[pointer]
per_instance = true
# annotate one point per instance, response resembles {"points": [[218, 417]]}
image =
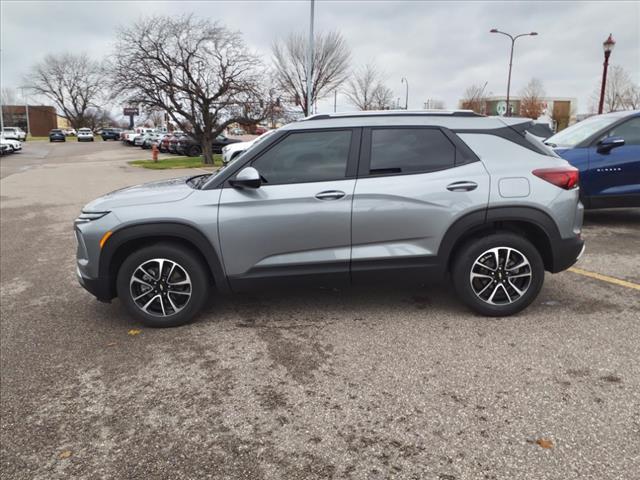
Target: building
{"points": [[559, 112], [42, 118]]}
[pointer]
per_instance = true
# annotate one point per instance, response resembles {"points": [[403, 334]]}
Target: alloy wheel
{"points": [[160, 287], [500, 276]]}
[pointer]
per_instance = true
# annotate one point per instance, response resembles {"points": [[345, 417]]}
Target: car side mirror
{"points": [[248, 177], [609, 143]]}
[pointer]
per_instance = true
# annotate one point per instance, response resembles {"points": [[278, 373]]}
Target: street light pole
{"points": [[513, 42], [310, 60], [607, 46], [406, 96], [26, 108]]}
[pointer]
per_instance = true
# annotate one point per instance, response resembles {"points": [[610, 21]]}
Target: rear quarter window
{"points": [[488, 146]]}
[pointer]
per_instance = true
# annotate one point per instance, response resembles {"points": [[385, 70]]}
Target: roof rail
{"points": [[395, 113]]}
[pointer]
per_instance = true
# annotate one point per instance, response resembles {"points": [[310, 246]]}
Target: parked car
{"points": [[344, 198], [606, 150], [164, 143], [237, 131], [173, 142], [14, 133], [192, 148], [233, 150], [259, 130], [57, 135], [5, 149], [11, 144], [153, 139], [85, 135], [111, 133], [69, 132]]}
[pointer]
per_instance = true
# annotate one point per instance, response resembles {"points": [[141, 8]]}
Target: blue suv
{"points": [[606, 150]]}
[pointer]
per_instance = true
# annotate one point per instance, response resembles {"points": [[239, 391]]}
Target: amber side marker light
{"points": [[105, 237]]}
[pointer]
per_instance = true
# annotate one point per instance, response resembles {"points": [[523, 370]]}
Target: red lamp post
{"points": [[607, 46]]}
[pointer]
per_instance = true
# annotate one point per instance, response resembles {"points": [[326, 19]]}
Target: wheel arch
{"points": [[531, 223], [126, 240]]}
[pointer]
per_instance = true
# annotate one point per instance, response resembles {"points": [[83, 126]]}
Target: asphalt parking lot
{"points": [[377, 383]]}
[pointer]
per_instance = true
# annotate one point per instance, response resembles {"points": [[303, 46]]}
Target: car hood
{"points": [[161, 191]]}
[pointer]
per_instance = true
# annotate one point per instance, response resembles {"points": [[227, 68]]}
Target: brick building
{"points": [[42, 118]]}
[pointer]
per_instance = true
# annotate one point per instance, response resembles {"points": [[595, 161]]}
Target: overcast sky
{"points": [[440, 47]]}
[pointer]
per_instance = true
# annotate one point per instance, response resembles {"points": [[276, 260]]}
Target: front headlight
{"points": [[90, 216]]}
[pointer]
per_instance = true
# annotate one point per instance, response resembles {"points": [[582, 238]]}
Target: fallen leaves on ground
{"points": [[134, 331], [65, 454], [545, 443]]}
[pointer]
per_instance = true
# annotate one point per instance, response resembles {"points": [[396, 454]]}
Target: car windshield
{"points": [[573, 135]]}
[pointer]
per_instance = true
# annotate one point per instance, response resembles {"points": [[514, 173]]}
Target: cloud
{"points": [[441, 47]]}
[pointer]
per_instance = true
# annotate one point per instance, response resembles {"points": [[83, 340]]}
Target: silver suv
{"points": [[344, 198]]}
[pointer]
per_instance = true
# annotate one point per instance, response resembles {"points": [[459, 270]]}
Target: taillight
{"points": [[563, 177]]}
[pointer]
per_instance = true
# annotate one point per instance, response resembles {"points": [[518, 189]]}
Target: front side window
{"points": [[630, 131], [304, 157], [410, 150]]}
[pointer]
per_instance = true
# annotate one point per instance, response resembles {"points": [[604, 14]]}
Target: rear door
{"points": [[617, 172], [298, 222], [413, 183]]}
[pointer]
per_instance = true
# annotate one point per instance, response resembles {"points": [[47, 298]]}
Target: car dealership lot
{"points": [[383, 382]]}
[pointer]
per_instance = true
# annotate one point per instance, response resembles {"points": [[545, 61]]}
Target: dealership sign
{"points": [[131, 111]]}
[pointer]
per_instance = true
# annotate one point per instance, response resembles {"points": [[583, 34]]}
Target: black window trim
{"points": [[463, 154]]}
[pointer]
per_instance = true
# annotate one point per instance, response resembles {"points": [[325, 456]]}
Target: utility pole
{"points": [[406, 96], [26, 107], [335, 100], [310, 60]]}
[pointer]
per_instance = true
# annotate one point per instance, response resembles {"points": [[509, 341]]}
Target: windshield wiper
{"points": [[199, 180]]}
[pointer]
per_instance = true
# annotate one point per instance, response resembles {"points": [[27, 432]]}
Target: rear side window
{"points": [[306, 157], [410, 150]]}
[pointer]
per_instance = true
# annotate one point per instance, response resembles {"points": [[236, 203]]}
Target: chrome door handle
{"points": [[330, 195], [462, 186]]}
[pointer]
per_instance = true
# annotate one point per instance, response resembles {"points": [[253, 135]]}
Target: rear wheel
{"points": [[498, 275], [163, 285]]}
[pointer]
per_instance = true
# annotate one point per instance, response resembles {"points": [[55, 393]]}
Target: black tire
{"points": [[194, 151], [188, 261], [466, 257]]}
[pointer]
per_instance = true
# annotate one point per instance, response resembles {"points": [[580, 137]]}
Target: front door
{"points": [[616, 173], [298, 222]]}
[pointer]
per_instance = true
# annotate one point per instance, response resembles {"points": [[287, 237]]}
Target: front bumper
{"points": [[95, 286]]}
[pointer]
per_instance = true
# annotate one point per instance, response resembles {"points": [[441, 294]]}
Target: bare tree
{"points": [[474, 99], [196, 70], [532, 99], [330, 66], [366, 91], [72, 81], [620, 92], [383, 98], [95, 118]]}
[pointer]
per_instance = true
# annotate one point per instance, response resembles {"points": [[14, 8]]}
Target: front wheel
{"points": [[498, 275], [163, 285]]}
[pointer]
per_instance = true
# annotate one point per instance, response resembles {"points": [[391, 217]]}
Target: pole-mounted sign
{"points": [[131, 112]]}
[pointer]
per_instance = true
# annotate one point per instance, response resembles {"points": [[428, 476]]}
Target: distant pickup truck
{"points": [[14, 133]]}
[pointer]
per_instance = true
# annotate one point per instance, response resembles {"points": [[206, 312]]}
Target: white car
{"points": [[14, 133], [85, 135], [233, 150], [13, 145]]}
